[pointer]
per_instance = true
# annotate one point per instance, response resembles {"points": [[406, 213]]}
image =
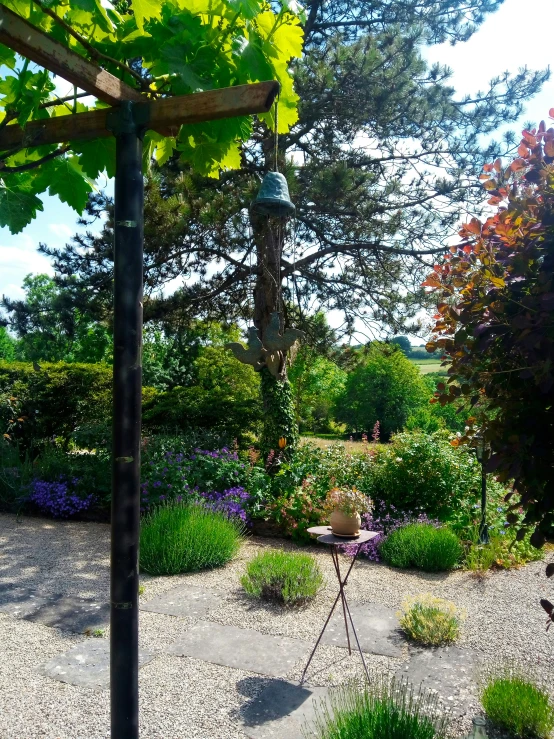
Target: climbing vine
{"points": [[280, 431]]}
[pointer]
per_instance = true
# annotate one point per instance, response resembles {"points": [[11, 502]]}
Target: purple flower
{"points": [[58, 498]]}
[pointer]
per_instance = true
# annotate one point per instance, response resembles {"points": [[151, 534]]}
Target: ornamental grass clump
{"points": [[385, 709], [424, 546], [430, 621], [517, 704], [283, 577], [178, 538]]}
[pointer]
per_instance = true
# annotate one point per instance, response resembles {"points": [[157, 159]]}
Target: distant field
{"points": [[322, 443], [428, 365]]}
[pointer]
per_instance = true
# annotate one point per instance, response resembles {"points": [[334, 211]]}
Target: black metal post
{"points": [[483, 528], [127, 386]]}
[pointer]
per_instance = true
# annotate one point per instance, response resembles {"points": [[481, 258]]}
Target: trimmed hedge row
{"points": [[66, 400]]}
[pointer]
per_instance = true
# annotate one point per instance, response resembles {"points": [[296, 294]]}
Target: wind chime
{"points": [[272, 202]]}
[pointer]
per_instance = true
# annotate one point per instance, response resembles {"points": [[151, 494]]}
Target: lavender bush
{"points": [[59, 498], [214, 478], [384, 523]]}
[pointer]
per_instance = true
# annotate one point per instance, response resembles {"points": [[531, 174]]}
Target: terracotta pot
{"points": [[345, 525]]}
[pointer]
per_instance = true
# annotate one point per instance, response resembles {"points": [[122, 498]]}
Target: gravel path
{"points": [[181, 696]]}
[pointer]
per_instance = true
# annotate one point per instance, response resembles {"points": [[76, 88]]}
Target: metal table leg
{"points": [[346, 610]]}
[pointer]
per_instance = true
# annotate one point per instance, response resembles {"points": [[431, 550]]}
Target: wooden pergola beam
{"points": [[32, 43], [167, 114]]}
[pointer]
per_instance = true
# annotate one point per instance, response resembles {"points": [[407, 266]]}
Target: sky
{"points": [[506, 41]]}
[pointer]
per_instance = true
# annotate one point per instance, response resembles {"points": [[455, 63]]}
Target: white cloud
{"points": [[17, 260], [61, 230]]}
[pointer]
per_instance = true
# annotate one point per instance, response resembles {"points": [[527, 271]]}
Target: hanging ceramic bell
{"points": [[273, 198]]}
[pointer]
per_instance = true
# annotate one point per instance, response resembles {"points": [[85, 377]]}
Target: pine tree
{"points": [[381, 163]]}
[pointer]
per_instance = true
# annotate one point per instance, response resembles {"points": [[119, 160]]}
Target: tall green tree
{"points": [[50, 328], [380, 162], [385, 387], [7, 345]]}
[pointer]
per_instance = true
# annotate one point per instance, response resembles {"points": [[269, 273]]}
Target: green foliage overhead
{"points": [[177, 47], [385, 387], [495, 294], [370, 111]]}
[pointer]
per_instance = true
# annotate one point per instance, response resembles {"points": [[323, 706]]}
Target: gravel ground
{"points": [[188, 697]]}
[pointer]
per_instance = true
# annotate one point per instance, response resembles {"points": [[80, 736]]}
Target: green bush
{"points": [[16, 472], [384, 710], [176, 538], [521, 706], [423, 546], [54, 400], [430, 621], [283, 577], [424, 472], [384, 387]]}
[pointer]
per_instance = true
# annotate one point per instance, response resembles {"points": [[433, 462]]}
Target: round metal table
{"points": [[325, 536]]}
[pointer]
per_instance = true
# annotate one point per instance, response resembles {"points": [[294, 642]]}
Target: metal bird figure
{"points": [[254, 355], [274, 341]]}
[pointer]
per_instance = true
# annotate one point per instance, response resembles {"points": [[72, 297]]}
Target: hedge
{"points": [[67, 400], [53, 400]]}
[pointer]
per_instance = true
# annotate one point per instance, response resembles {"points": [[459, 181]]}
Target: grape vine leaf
{"points": [[69, 183], [146, 9], [18, 208]]}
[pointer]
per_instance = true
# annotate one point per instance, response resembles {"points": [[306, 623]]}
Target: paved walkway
{"points": [[215, 664], [282, 708]]}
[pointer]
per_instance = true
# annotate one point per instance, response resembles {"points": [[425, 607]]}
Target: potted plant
{"points": [[346, 506]]}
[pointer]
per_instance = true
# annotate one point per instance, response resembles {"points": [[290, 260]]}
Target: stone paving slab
{"points": [[72, 613], [62, 611], [243, 649], [186, 601], [86, 665], [281, 710], [20, 602], [376, 625], [450, 671]]}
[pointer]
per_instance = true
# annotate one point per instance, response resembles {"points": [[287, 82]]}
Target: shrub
{"points": [[16, 472], [215, 478], [55, 401], [422, 545], [384, 710], [178, 538], [430, 621], [283, 577], [518, 704], [225, 398], [425, 473]]}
